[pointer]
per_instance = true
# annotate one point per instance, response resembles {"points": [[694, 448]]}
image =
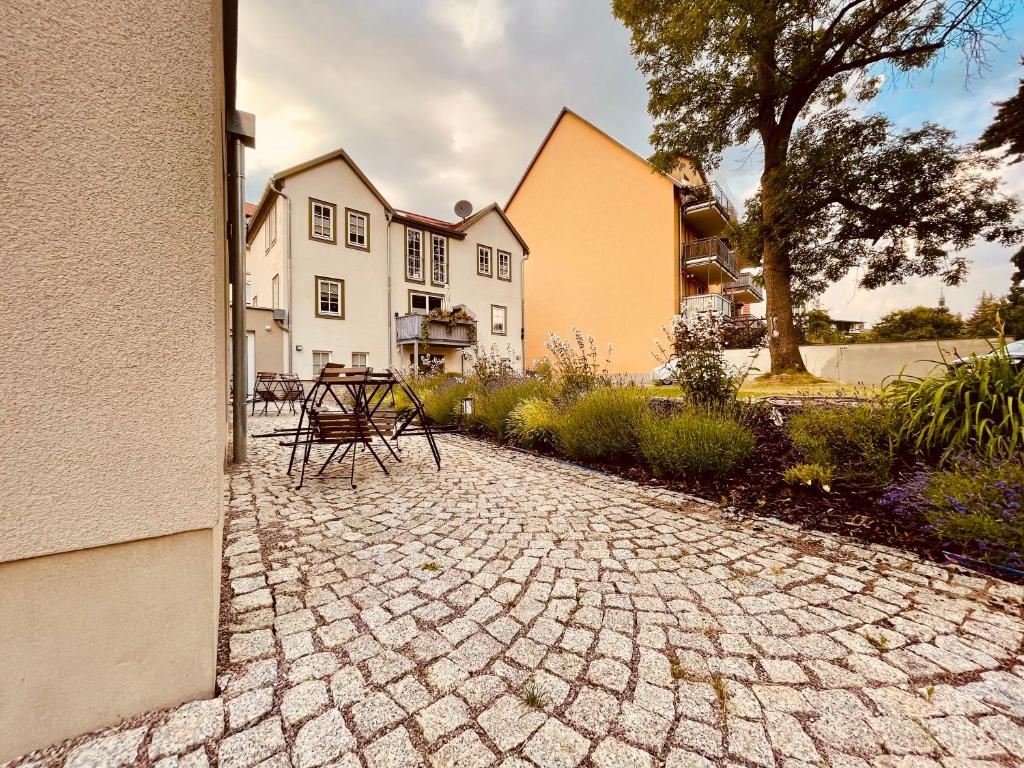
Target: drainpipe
{"points": [[287, 265], [241, 130], [391, 337], [522, 304]]}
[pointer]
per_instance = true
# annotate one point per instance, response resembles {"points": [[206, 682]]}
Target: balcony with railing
{"points": [[707, 302], [434, 331], [710, 260], [707, 208], [744, 290]]}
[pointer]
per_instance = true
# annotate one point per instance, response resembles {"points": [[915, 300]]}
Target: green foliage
{"points": [[976, 406], [602, 424], [858, 442], [692, 444], [818, 329], [1013, 317], [533, 423], [984, 321], [1007, 127], [918, 323], [809, 474], [857, 193], [443, 403], [977, 504], [493, 404]]}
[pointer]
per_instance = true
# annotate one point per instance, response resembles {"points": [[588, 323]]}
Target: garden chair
{"points": [[265, 391]]}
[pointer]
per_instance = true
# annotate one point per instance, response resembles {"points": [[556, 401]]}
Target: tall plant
{"points": [[975, 406]]}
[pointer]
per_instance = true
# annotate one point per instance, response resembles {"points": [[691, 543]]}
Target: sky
{"points": [[439, 100]]}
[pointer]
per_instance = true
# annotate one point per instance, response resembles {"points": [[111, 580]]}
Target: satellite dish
{"points": [[463, 208]]}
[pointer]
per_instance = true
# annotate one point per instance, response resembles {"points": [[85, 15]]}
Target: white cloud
{"points": [[478, 23]]}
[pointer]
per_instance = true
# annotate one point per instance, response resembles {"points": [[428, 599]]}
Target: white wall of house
{"points": [[367, 327], [467, 287]]}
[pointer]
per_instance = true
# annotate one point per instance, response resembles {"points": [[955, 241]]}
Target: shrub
{"points": [[809, 474], [693, 443], [492, 405], [697, 341], [974, 504], [443, 404], [602, 425], [976, 406], [533, 423], [576, 367], [858, 442]]}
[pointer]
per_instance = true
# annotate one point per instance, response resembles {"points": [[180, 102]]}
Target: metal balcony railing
{"points": [[427, 330], [707, 302], [744, 283], [711, 192], [711, 249]]}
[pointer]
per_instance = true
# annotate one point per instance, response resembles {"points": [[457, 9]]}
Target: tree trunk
{"points": [[783, 341]]}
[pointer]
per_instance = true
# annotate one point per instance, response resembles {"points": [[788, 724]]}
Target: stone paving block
{"points": [[508, 722], [442, 717], [321, 740], [393, 750], [556, 746], [112, 751], [304, 700], [464, 751], [188, 726], [249, 707], [251, 746]]}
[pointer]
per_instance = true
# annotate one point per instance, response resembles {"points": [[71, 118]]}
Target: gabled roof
{"points": [[338, 154], [471, 220], [566, 111], [418, 219], [250, 209]]}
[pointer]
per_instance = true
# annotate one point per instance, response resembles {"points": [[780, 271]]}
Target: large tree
{"points": [[723, 72], [1007, 128]]}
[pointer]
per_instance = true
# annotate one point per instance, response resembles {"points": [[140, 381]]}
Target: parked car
{"points": [[1014, 350], [665, 373]]}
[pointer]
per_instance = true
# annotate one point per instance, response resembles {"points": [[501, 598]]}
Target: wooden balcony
{"points": [[710, 260], [434, 332]]}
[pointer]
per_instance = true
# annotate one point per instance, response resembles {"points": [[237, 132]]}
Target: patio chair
{"points": [[413, 421], [265, 391], [291, 390]]}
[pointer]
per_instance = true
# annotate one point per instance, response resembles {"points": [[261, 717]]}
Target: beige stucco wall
{"points": [[118, 627], [112, 217], [270, 339], [870, 364], [603, 235]]}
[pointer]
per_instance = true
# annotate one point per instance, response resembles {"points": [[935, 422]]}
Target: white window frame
{"points": [[340, 285], [410, 256], [275, 292], [271, 227], [428, 298], [248, 293], [504, 259], [356, 363], [322, 363], [484, 260], [326, 212], [364, 218], [438, 256], [504, 320]]}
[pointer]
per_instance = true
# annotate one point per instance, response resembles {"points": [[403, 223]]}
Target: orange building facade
{"points": [[618, 247]]}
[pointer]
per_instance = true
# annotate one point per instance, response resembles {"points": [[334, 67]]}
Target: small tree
{"points": [[916, 324], [983, 321], [817, 328]]}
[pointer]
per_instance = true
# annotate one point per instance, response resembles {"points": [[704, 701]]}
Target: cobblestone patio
{"points": [[516, 611]]}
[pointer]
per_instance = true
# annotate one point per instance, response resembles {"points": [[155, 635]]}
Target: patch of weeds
{"points": [[712, 631], [762, 502], [676, 667], [422, 673], [930, 692], [721, 692], [533, 696], [431, 566], [881, 642]]}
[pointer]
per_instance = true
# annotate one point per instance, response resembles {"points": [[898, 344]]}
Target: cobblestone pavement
{"points": [[515, 611]]}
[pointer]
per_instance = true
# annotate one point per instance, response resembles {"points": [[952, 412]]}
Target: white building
{"points": [[363, 283]]}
